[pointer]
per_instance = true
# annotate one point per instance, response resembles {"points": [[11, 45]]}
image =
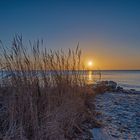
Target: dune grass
{"points": [[43, 96]]}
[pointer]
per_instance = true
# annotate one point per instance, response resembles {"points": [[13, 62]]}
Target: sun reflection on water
{"points": [[90, 77], [93, 76]]}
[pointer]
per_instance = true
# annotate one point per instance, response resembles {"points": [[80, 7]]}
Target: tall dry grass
{"points": [[43, 94]]}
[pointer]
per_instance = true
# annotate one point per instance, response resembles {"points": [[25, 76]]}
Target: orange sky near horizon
{"points": [[112, 58]]}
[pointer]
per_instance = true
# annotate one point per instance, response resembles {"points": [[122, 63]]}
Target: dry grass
{"points": [[40, 98]]}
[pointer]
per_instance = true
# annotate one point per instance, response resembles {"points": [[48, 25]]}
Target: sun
{"points": [[90, 63]]}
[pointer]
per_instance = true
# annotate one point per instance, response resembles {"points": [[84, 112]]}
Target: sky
{"points": [[108, 31]]}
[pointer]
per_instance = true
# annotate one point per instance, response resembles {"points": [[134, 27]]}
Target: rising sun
{"points": [[90, 63]]}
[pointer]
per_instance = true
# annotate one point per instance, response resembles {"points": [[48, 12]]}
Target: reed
{"points": [[43, 95]]}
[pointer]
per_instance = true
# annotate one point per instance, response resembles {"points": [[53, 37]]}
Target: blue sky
{"points": [[106, 29]]}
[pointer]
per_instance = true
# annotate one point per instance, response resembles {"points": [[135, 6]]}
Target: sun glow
{"points": [[90, 64]]}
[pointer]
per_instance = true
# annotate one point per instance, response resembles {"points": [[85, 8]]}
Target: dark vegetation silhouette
{"points": [[39, 99]]}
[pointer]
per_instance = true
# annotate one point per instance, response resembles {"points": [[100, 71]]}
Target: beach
{"points": [[119, 111], [120, 115]]}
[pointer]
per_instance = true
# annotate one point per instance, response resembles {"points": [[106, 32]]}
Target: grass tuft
{"points": [[42, 92]]}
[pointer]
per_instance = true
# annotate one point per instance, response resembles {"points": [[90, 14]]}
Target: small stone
{"points": [[119, 89], [113, 135], [132, 90], [112, 84]]}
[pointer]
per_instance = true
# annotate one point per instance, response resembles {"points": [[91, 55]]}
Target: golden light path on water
{"points": [[92, 76]]}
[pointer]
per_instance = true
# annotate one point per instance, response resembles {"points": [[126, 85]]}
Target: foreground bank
{"points": [[120, 116], [108, 112], [119, 112]]}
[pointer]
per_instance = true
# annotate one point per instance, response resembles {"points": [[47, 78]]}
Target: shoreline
{"points": [[106, 87], [107, 91], [119, 115]]}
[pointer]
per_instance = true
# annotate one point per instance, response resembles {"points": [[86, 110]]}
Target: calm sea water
{"points": [[127, 79]]}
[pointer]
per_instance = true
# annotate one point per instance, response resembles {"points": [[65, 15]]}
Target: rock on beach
{"points": [[111, 86]]}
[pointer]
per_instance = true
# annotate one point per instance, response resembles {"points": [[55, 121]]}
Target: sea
{"points": [[128, 79]]}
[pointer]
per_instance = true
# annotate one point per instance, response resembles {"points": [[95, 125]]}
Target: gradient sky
{"points": [[108, 30]]}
